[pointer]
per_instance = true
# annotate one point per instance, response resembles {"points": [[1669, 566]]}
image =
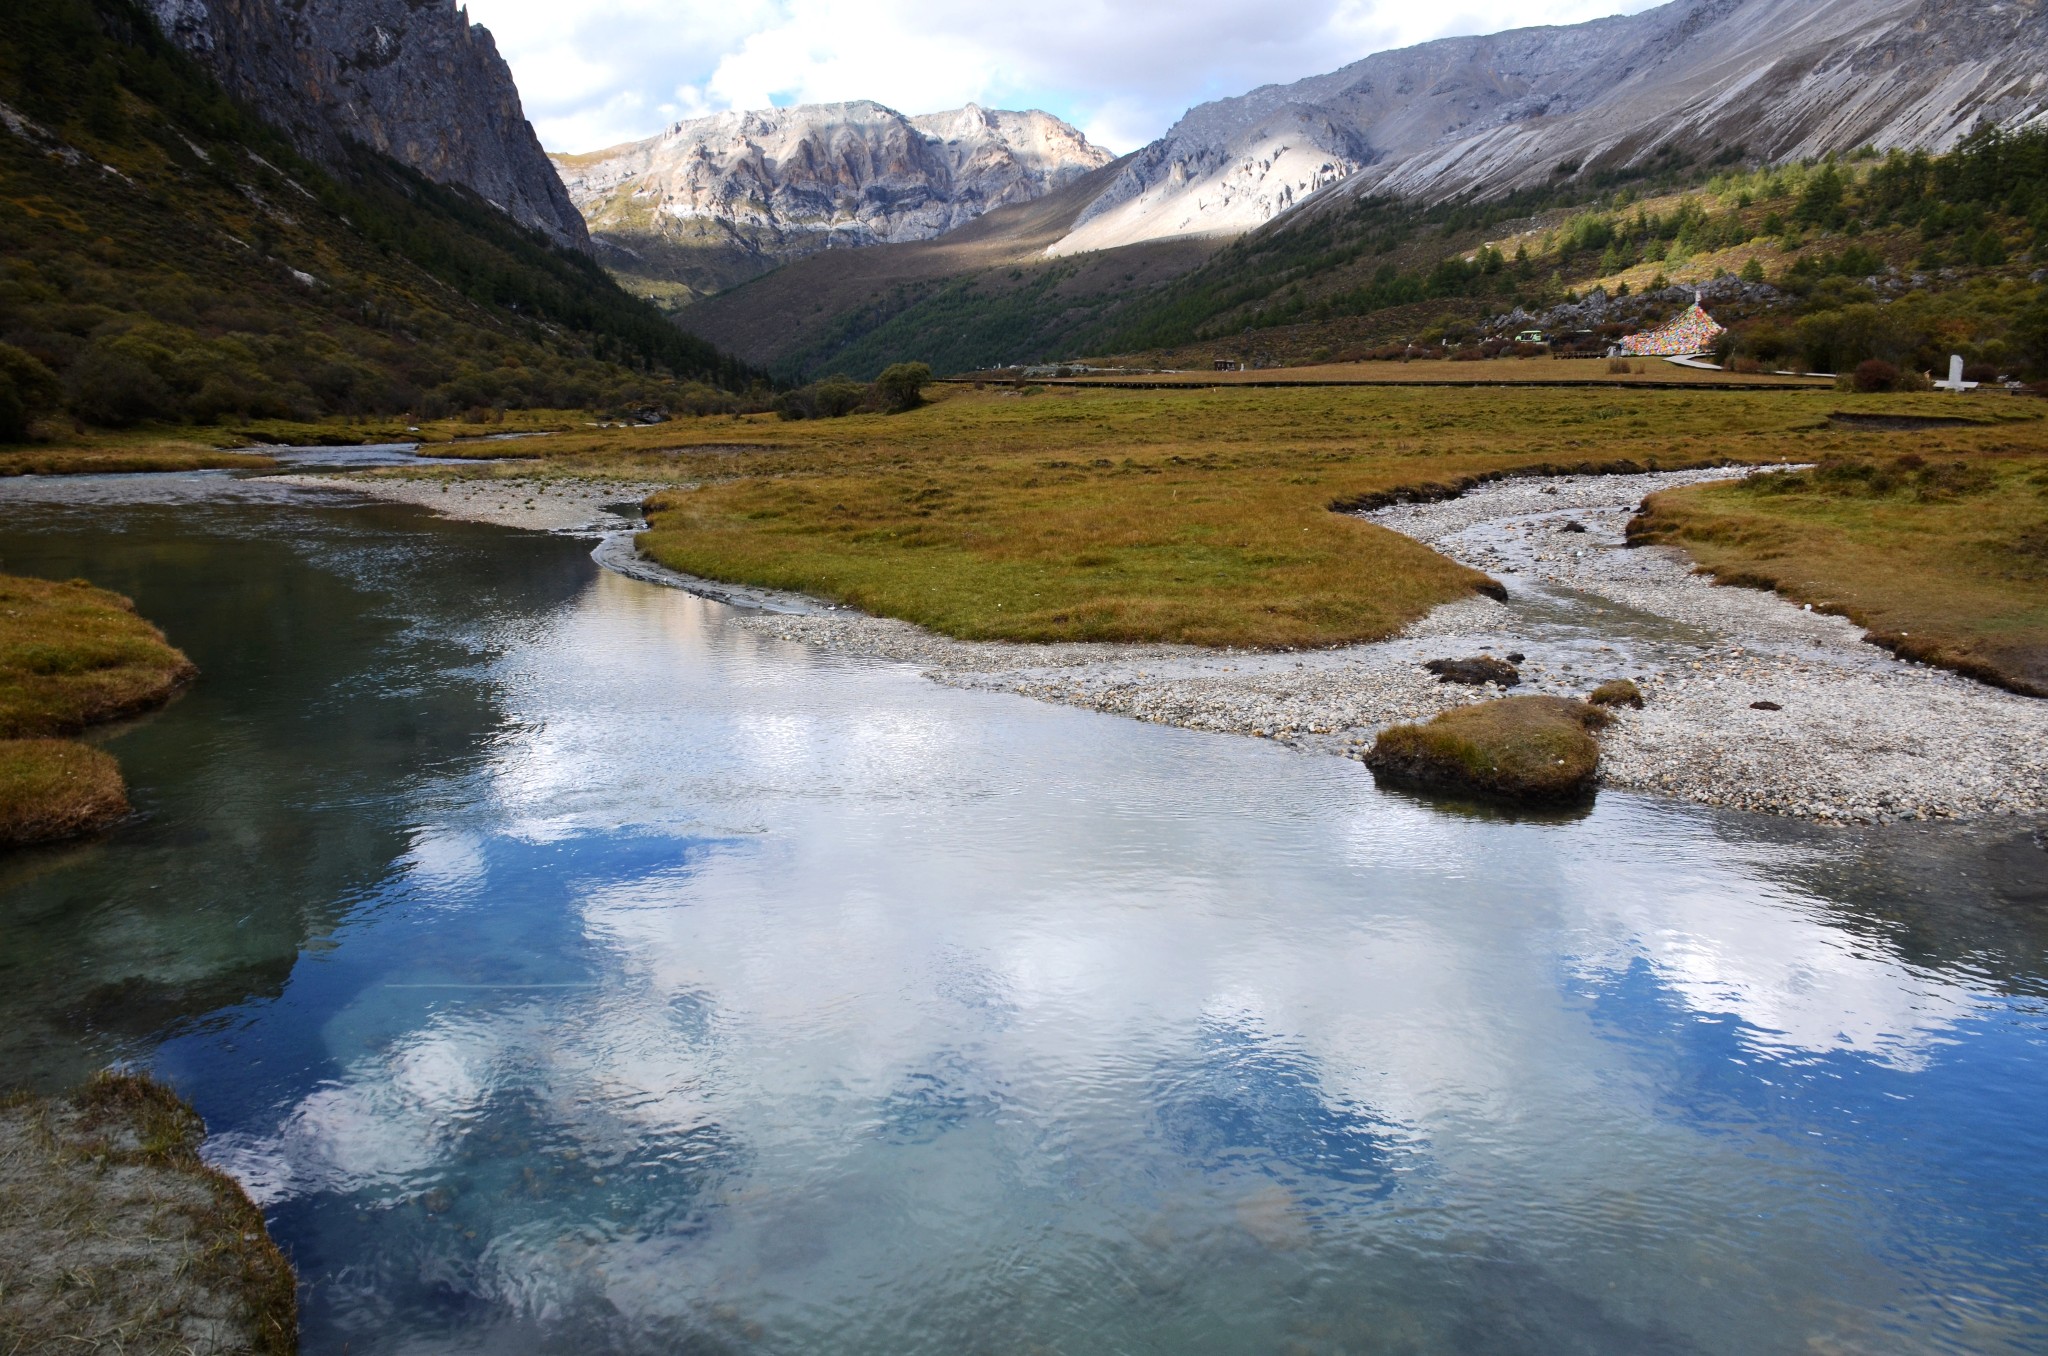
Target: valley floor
{"points": [[1858, 737]]}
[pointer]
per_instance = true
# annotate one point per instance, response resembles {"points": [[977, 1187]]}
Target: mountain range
{"points": [[1476, 130], [714, 200], [1748, 80]]}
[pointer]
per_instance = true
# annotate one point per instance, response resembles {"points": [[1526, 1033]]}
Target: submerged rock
{"points": [[1475, 670], [1516, 748]]}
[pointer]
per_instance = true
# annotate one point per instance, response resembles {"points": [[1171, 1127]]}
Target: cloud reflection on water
{"points": [[996, 981]]}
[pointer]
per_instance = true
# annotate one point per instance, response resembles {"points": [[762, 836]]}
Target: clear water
{"points": [[568, 970]]}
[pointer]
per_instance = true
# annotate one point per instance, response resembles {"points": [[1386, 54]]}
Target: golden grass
{"points": [[1943, 558], [1516, 748], [88, 461], [1200, 516], [71, 655], [56, 788]]}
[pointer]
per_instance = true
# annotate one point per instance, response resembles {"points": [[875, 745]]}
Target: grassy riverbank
{"points": [[1199, 516], [71, 656], [1203, 515], [1941, 553], [115, 1236], [99, 461]]}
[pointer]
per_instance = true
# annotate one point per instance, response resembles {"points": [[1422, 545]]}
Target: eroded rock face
{"points": [[1783, 79], [779, 183], [411, 78]]}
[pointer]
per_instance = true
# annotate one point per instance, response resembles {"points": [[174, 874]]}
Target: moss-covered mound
{"points": [[55, 788], [1517, 748], [1616, 692], [71, 656], [114, 1236]]}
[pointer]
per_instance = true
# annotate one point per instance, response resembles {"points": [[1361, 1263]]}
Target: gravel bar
{"points": [[543, 503], [1859, 736]]}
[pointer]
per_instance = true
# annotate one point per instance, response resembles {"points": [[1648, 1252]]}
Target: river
{"points": [[565, 969]]}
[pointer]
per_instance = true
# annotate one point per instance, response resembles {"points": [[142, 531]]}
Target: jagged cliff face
{"points": [[715, 199], [1782, 79], [411, 78]]}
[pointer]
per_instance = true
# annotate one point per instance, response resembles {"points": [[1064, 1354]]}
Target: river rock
{"points": [[1536, 749], [1475, 670]]}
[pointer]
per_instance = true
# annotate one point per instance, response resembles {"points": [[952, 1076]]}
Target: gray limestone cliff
{"points": [[411, 78]]}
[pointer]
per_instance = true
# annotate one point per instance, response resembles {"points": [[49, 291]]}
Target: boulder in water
{"points": [[1528, 749]]}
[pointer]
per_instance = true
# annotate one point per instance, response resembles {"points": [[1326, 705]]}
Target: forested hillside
{"points": [[164, 255], [1950, 238], [1900, 257]]}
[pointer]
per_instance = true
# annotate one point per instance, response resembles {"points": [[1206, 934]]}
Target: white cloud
{"points": [[597, 75]]}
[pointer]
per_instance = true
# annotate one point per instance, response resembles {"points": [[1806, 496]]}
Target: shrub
{"points": [[110, 388], [1875, 374], [831, 398], [1618, 367], [901, 387], [27, 390], [2030, 335]]}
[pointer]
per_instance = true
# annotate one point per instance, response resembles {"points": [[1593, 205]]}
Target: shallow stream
{"points": [[565, 969]]}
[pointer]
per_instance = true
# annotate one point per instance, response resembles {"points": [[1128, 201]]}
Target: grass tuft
{"points": [[1517, 748], [123, 1237], [71, 655], [56, 788], [1616, 692]]}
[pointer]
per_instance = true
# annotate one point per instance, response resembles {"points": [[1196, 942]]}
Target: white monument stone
{"points": [[1955, 380]]}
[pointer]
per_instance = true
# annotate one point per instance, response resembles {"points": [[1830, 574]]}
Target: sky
{"points": [[601, 72]]}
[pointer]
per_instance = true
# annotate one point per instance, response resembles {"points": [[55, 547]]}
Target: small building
{"points": [[1529, 337], [1229, 365]]}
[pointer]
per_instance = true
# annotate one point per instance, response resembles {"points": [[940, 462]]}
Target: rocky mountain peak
{"points": [[411, 78], [1759, 80], [753, 188]]}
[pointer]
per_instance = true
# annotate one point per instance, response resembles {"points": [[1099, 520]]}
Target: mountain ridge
{"points": [[1769, 80], [711, 201], [413, 79]]}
